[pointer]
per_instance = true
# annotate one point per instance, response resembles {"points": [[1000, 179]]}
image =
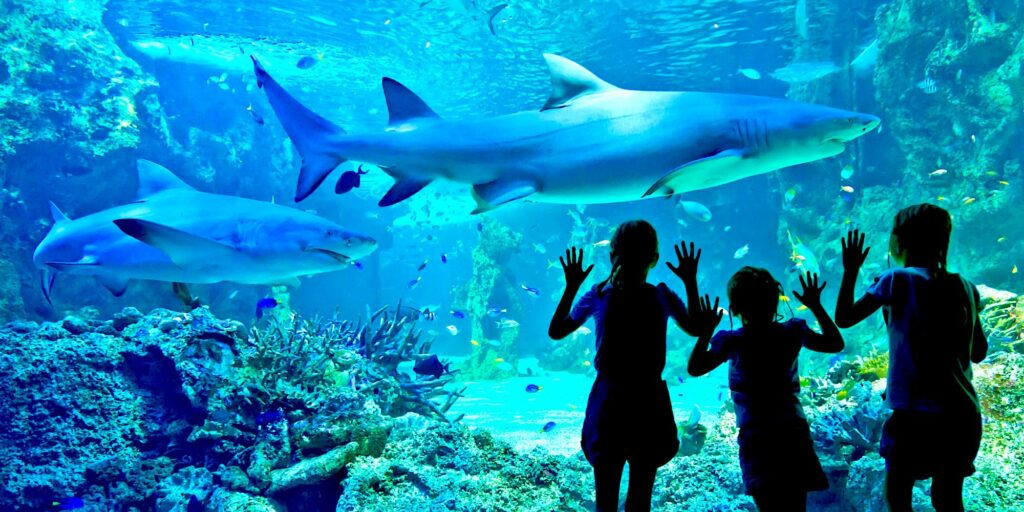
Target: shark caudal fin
{"points": [[310, 132]]}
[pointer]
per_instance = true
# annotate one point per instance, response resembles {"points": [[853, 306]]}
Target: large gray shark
{"points": [[176, 233], [591, 142]]}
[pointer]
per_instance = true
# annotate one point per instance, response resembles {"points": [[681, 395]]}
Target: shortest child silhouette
{"points": [[629, 412], [776, 451]]}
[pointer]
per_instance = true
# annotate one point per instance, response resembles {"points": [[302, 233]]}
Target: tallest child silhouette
{"points": [[629, 412]]}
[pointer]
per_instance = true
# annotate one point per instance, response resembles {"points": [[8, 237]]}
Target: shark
{"points": [[591, 142], [173, 232]]}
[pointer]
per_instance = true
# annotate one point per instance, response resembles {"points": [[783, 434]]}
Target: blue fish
{"points": [[431, 366], [265, 303], [680, 379], [358, 265], [548, 427], [268, 417], [414, 282], [532, 388], [69, 503], [458, 314], [306, 62], [496, 312], [531, 291], [349, 180], [444, 258], [422, 266]]}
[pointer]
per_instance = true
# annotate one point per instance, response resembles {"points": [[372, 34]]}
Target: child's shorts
{"points": [[779, 457], [924, 444]]}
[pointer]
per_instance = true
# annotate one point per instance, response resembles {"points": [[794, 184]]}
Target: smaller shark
{"points": [[176, 233]]}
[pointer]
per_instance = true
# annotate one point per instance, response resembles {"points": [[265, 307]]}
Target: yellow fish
{"points": [[1013, 270], [475, 343], [586, 363], [991, 173], [941, 198], [1000, 239], [969, 200], [573, 407], [802, 307], [499, 360], [783, 298], [846, 188], [1004, 183]]}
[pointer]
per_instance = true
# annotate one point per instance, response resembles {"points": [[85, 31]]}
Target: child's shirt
{"points": [[929, 361], [630, 326], [763, 378]]}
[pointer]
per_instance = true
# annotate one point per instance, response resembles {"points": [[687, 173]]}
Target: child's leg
{"points": [[899, 492], [607, 476], [641, 486], [795, 501], [947, 493]]}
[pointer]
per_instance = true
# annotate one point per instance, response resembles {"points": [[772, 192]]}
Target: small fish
{"points": [[256, 117], [268, 417], [1013, 270], [783, 298], [427, 314], [586, 363], [444, 258], [802, 307], [694, 418], [458, 314], [358, 265], [696, 210], [846, 172], [263, 304], [475, 343], [504, 367], [571, 406], [69, 503], [584, 330], [531, 291], [940, 198], [453, 330], [540, 248], [233, 294], [1000, 239], [790, 194], [1004, 183], [496, 312], [422, 265], [741, 252], [414, 282], [507, 323], [969, 200], [846, 188], [602, 243], [938, 172], [308, 61], [349, 180], [431, 366], [548, 427], [479, 226], [493, 343], [750, 73], [928, 85], [499, 359]]}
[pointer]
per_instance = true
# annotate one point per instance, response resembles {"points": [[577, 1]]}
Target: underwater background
{"points": [[306, 397]]}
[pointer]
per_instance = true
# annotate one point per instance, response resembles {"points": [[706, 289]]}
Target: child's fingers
{"points": [[586, 272], [696, 259]]}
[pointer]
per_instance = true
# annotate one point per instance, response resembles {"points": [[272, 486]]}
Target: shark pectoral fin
{"points": [[115, 285], [569, 81], [46, 279], [155, 178], [312, 135], [403, 104], [181, 247], [402, 190], [721, 159], [490, 195]]}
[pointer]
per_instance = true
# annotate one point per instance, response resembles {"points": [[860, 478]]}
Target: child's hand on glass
{"points": [[854, 252], [707, 316], [686, 269], [572, 266], [812, 292]]}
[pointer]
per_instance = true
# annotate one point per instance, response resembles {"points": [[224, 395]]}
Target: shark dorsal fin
{"points": [[403, 104], [58, 216], [155, 178], [569, 81]]}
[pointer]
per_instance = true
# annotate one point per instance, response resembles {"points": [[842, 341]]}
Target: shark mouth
{"points": [[337, 256]]}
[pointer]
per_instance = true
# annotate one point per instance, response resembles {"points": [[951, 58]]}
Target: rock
{"points": [[989, 294], [234, 478], [174, 491], [74, 325], [311, 471], [224, 500], [126, 317], [168, 325], [22, 326]]}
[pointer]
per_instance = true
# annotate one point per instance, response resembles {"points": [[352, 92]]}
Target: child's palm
{"points": [[572, 266], [686, 268], [854, 252], [812, 292]]}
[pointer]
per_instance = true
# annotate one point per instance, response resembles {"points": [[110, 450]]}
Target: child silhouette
{"points": [[934, 335], [629, 412], [776, 452]]}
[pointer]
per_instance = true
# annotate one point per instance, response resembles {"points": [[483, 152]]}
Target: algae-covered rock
{"points": [[224, 500], [175, 492], [314, 470]]}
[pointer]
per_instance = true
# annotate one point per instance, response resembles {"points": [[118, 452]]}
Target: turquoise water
{"points": [[281, 376]]}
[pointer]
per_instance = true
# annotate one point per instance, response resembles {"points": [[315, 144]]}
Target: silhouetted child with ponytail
{"points": [[776, 451], [934, 336], [629, 412]]}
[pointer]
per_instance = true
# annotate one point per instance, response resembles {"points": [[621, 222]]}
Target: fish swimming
{"points": [[431, 366], [175, 233], [591, 142]]}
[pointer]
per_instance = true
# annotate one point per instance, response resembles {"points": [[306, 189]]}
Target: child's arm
{"points": [[562, 323], [979, 345], [705, 318], [848, 312], [830, 340], [686, 270]]}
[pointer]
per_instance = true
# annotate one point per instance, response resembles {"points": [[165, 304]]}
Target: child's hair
{"points": [[634, 247], [922, 232], [753, 294]]}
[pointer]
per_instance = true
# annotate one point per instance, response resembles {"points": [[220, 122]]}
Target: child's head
{"points": [[920, 236], [753, 295], [634, 251]]}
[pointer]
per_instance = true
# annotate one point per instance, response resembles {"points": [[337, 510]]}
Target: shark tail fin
{"points": [[313, 135]]}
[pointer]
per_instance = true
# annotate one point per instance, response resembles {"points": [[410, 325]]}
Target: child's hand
{"points": [[686, 269], [706, 317], [812, 292], [572, 265], [854, 252]]}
